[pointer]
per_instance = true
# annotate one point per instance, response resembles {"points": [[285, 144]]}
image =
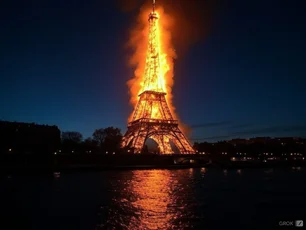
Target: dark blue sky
{"points": [[64, 63]]}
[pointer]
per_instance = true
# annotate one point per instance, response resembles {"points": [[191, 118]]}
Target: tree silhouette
{"points": [[108, 139], [90, 144], [99, 136], [72, 136], [71, 140]]}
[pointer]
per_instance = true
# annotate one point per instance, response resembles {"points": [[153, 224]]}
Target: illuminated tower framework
{"points": [[152, 117]]}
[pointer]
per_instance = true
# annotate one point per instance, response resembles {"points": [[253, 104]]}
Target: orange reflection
{"points": [[153, 198]]}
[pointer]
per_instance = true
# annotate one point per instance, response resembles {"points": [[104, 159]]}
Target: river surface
{"points": [[203, 198]]}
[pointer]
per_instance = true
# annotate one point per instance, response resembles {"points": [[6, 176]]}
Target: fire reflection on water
{"points": [[153, 199], [150, 199]]}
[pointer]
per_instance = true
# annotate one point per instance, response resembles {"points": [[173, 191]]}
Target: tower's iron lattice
{"points": [[152, 117]]}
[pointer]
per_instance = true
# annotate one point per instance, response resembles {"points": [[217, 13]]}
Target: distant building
{"points": [[18, 137], [238, 141], [288, 140], [261, 140]]}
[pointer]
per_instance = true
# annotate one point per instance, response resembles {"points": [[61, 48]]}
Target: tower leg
{"points": [[163, 143], [138, 135]]}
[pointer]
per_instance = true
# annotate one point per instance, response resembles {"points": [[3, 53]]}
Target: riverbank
{"points": [[95, 162], [94, 167]]}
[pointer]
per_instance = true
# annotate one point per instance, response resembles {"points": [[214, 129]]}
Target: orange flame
{"points": [[139, 41]]}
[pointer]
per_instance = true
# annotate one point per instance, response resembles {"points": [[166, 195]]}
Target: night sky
{"points": [[64, 63]]}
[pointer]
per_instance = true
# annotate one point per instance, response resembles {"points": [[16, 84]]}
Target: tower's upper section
{"points": [[153, 76]]}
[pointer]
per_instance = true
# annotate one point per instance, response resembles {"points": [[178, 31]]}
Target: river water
{"points": [[203, 198]]}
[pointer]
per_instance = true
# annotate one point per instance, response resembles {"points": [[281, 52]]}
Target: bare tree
{"points": [[99, 136], [108, 138], [72, 136]]}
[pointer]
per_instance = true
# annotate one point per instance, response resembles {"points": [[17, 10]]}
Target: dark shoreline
{"points": [[96, 168], [20, 164]]}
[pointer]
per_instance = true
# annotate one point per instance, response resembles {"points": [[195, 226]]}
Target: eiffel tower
{"points": [[152, 117]]}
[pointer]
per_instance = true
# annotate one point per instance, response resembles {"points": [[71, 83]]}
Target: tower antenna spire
{"points": [[153, 6]]}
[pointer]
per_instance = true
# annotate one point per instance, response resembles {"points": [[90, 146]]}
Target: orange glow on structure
{"points": [[150, 89], [162, 81]]}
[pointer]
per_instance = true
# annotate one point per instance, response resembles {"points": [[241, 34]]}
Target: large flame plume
{"points": [[181, 24], [139, 41]]}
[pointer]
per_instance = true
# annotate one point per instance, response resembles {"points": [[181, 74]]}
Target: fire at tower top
{"points": [[153, 14], [153, 5], [156, 65]]}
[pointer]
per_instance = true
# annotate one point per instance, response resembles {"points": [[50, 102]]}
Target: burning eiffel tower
{"points": [[152, 117]]}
